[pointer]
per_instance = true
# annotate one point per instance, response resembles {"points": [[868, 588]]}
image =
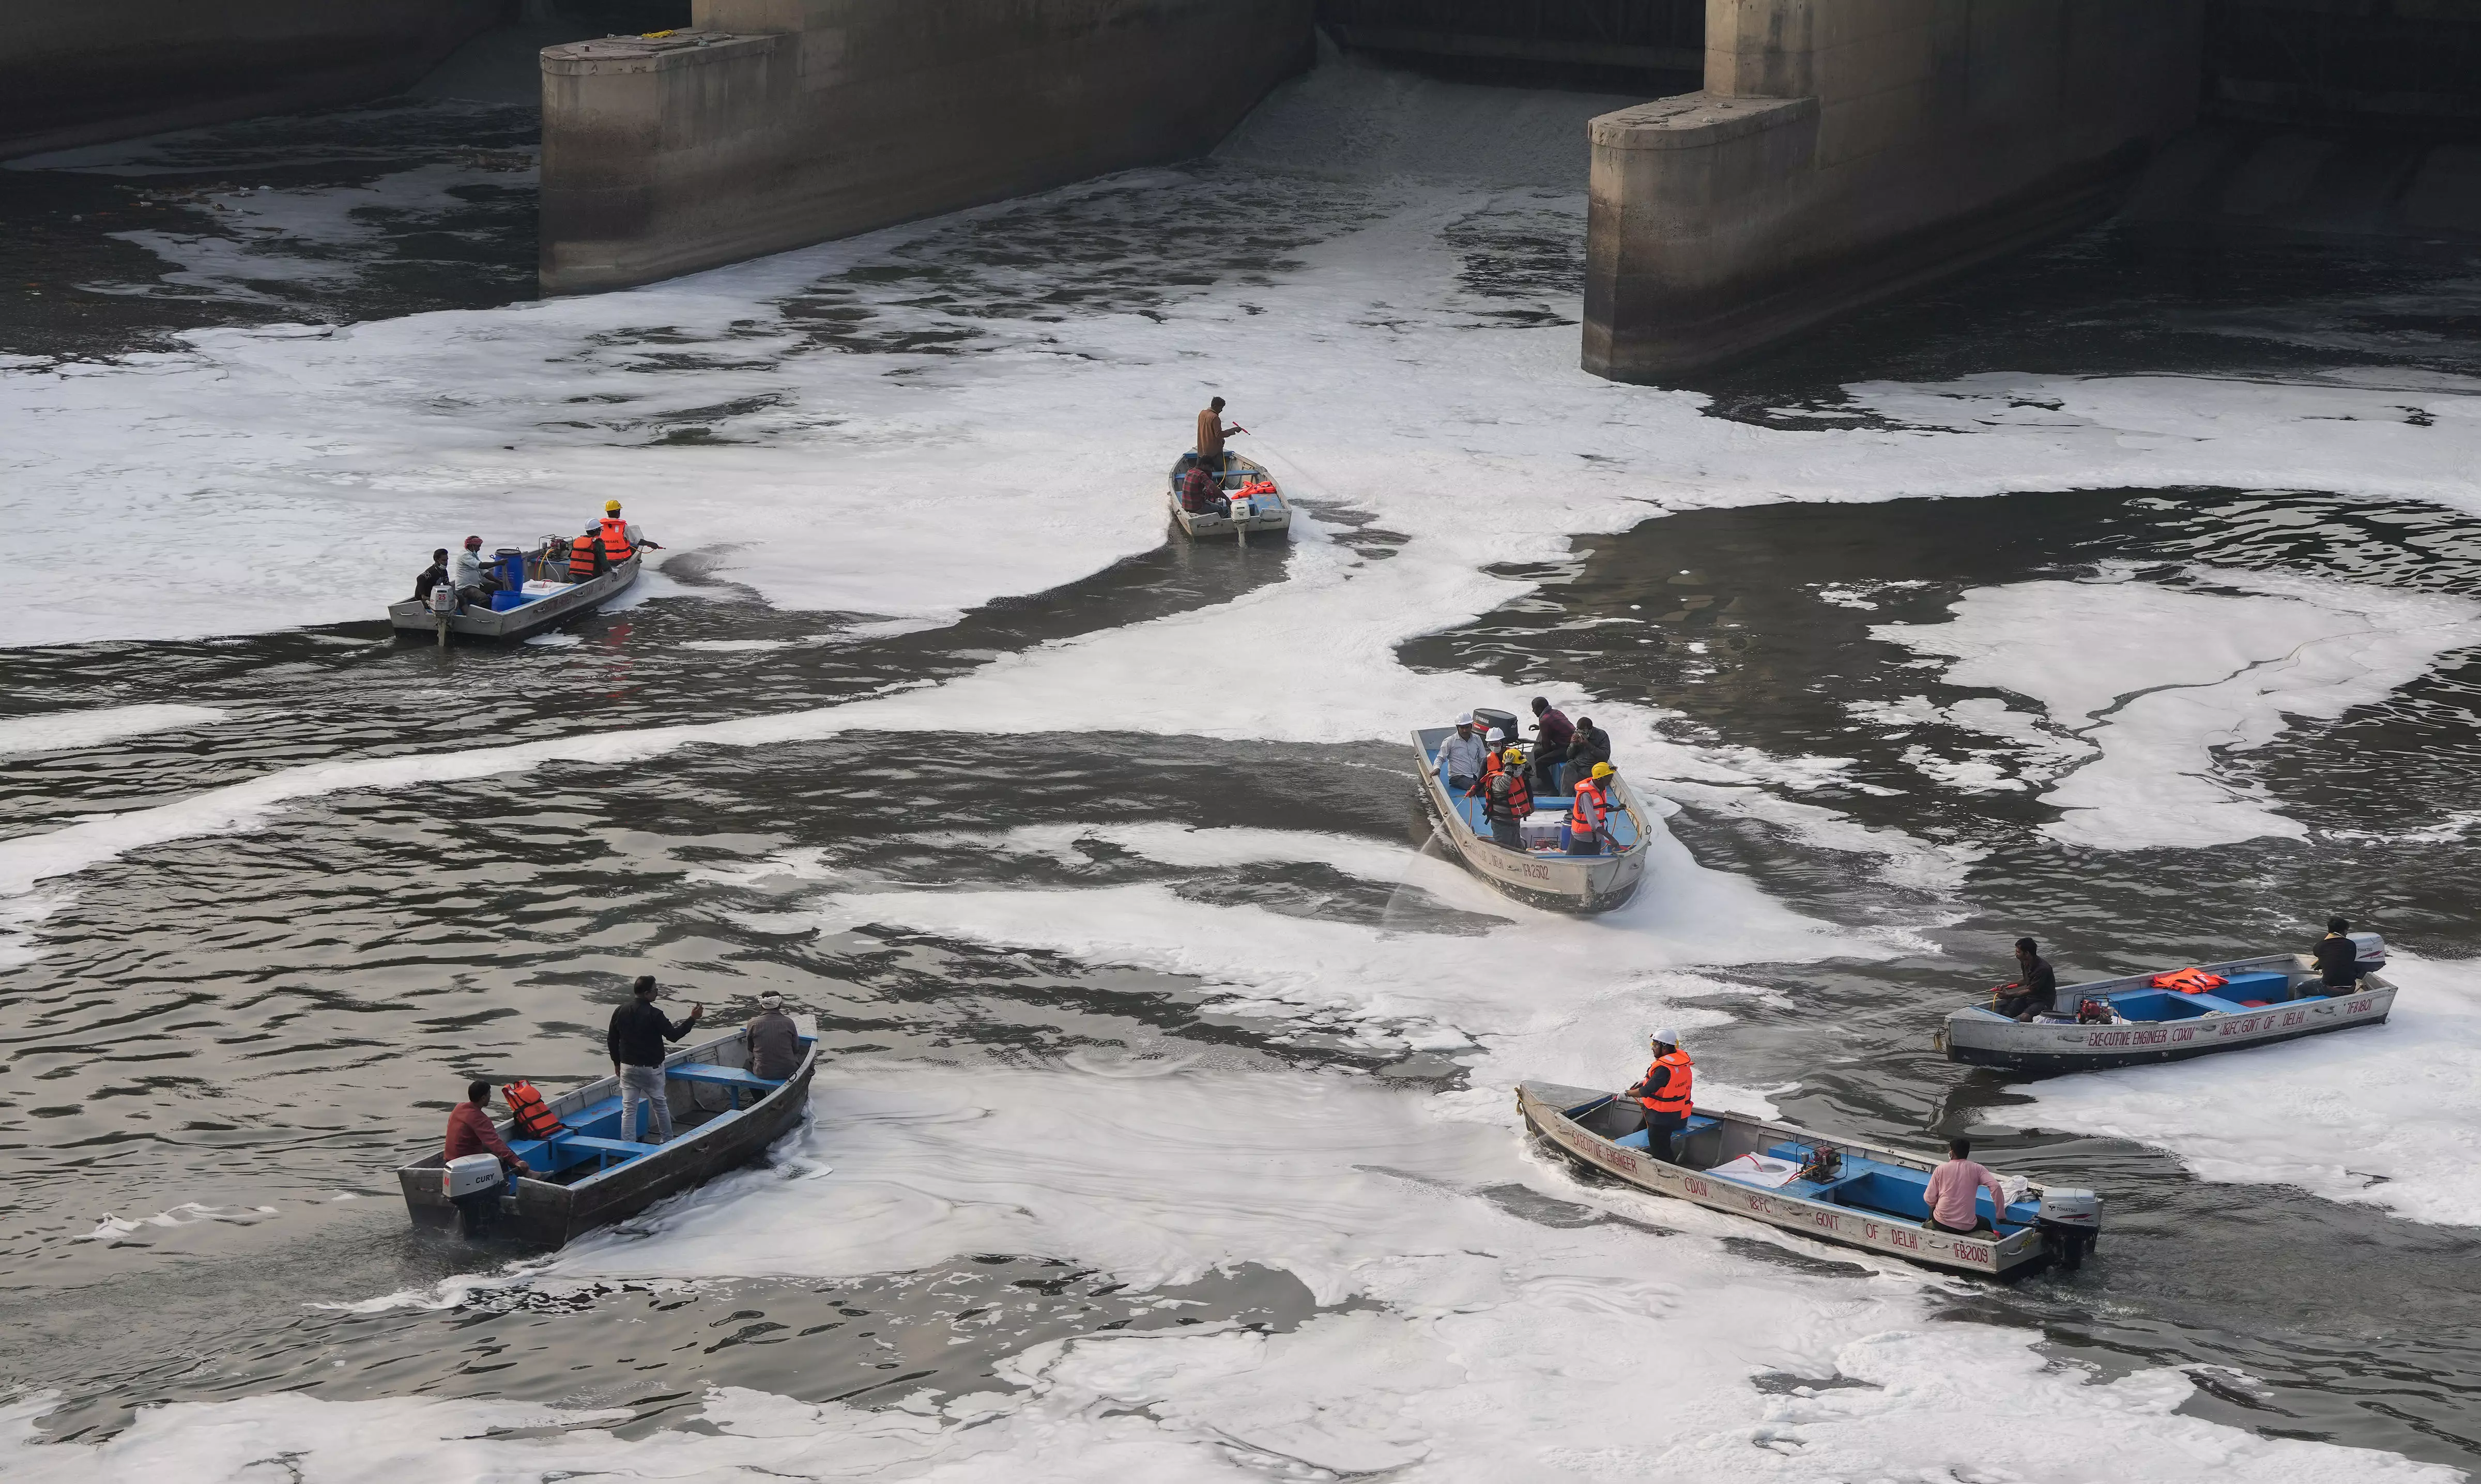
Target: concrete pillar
{"points": [[1843, 150], [775, 123]]}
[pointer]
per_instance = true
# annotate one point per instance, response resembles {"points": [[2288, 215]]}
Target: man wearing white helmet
{"points": [[1461, 756], [774, 1040], [1664, 1094]]}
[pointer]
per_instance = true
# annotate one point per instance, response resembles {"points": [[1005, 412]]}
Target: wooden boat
{"points": [[1876, 1199], [2262, 1000], [1541, 875], [586, 1176], [1269, 514], [545, 606]]}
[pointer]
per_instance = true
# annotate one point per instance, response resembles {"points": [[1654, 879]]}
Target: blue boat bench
{"points": [[1869, 1184]]}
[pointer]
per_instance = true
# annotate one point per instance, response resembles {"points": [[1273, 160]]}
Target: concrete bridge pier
{"points": [[773, 123], [1844, 151]]}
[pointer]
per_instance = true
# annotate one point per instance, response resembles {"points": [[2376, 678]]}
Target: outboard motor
{"points": [[473, 1182], [2071, 1222], [1505, 720], [2370, 950]]}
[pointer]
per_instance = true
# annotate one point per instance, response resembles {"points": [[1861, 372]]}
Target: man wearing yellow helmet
{"points": [[1586, 830], [621, 541]]}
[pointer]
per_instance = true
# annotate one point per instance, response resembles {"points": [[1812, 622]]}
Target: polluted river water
{"points": [[2123, 595]]}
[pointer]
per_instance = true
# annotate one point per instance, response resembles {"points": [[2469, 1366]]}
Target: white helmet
{"points": [[1668, 1036]]}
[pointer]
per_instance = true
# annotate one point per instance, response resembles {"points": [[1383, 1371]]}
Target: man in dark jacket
{"points": [[635, 1039], [1552, 734], [1591, 745], [432, 576], [2036, 987], [2339, 957], [774, 1040]]}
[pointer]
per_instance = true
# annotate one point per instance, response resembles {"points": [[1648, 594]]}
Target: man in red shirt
{"points": [[470, 1130]]}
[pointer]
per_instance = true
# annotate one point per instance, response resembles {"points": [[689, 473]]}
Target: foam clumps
{"points": [[69, 731], [2384, 1117]]}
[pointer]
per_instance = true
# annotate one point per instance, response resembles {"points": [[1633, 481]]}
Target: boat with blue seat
{"points": [[1541, 875], [527, 609], [585, 1175], [1847, 1191], [2133, 1019]]}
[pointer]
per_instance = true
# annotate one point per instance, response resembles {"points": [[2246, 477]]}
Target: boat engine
{"points": [[472, 1183], [2072, 1221], [2370, 951]]}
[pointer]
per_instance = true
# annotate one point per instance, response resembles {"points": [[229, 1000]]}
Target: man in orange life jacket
{"points": [[620, 539], [1583, 835], [1664, 1094], [1506, 798], [586, 556]]}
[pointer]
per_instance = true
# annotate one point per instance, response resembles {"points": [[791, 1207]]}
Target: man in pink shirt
{"points": [[1954, 1185]]}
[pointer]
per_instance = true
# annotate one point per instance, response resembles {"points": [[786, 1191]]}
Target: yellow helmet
{"points": [[611, 507], [1604, 771], [1514, 753]]}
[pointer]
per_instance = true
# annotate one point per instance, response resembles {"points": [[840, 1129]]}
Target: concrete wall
{"points": [[782, 122], [103, 70], [1846, 150]]}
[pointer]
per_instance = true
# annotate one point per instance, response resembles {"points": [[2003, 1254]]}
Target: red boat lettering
{"points": [[1869, 1229], [2294, 1017], [1911, 1240], [2357, 1006], [2183, 1033], [1968, 1252], [1617, 1158], [1826, 1220], [1694, 1187]]}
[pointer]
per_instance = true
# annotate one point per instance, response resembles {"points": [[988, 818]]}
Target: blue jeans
{"points": [[644, 1084]]}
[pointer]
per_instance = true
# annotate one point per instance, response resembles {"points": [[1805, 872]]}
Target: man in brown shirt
{"points": [[470, 1130], [1210, 433]]}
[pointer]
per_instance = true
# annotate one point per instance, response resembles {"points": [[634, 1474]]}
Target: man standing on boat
{"points": [[1584, 832], [1210, 433], [1461, 757], [1664, 1095], [635, 1040]]}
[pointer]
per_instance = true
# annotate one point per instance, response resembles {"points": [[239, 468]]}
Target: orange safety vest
{"points": [[1520, 794], [1666, 1084], [1586, 814], [615, 539], [2188, 981], [534, 1117], [581, 556]]}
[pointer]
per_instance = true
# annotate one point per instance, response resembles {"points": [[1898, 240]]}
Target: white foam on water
{"points": [[2387, 1116], [118, 1231], [2158, 717], [65, 731], [1485, 1347]]}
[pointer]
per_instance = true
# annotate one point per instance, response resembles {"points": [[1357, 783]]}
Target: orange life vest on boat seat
{"points": [[2188, 981], [1254, 487], [534, 1117]]}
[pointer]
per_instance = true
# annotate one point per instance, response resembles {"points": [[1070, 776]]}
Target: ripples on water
{"points": [[273, 1019]]}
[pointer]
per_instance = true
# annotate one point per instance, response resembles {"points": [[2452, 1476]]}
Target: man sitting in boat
{"points": [[774, 1040], [1552, 732], [475, 578], [1583, 834], [2036, 987], [1506, 798], [470, 1130], [1953, 1187], [1590, 745], [1460, 757], [636, 1041], [620, 539], [585, 559], [1210, 433], [432, 577], [1663, 1092], [2339, 957], [1200, 495]]}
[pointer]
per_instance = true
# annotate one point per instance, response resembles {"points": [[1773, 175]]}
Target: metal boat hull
{"points": [[512, 625], [1581, 884], [548, 1214], [1980, 1037], [1557, 1115], [1237, 472]]}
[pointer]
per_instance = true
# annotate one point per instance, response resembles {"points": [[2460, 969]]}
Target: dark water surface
{"points": [[243, 1060]]}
